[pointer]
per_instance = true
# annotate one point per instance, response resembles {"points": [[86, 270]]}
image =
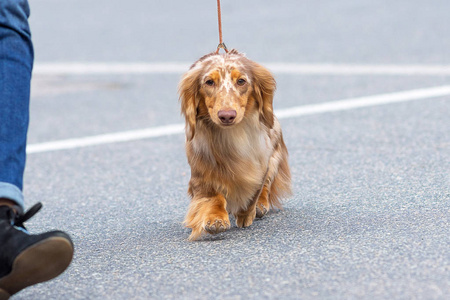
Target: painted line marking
{"points": [[351, 69], [340, 105], [112, 68], [73, 68], [118, 137], [346, 104]]}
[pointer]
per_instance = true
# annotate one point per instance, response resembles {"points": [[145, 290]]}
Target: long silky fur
{"points": [[229, 165]]}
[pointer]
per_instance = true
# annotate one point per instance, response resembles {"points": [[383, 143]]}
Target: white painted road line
{"points": [[351, 69], [353, 103], [74, 68], [297, 111], [124, 136]]}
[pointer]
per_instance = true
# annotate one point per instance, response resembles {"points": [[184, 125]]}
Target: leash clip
{"points": [[221, 46]]}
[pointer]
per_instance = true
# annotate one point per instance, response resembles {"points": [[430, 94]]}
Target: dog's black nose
{"points": [[227, 116]]}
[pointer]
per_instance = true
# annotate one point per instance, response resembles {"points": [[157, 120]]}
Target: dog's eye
{"points": [[209, 82], [241, 82]]}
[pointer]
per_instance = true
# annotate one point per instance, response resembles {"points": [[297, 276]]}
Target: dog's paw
{"points": [[207, 215], [245, 220], [217, 225], [212, 224], [261, 210]]}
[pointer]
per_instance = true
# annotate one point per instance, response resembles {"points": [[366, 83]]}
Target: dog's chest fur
{"points": [[236, 159]]}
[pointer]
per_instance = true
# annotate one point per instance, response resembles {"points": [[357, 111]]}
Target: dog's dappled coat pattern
{"points": [[234, 143]]}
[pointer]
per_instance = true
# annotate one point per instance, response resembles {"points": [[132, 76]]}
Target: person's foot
{"points": [[27, 259]]}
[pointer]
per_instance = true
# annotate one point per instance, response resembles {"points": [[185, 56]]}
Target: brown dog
{"points": [[234, 144]]}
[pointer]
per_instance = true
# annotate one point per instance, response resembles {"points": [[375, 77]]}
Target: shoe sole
{"points": [[38, 263]]}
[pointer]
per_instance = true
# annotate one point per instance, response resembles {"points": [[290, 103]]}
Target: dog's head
{"points": [[222, 89]]}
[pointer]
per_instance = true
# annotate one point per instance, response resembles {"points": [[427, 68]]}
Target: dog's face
{"points": [[225, 87], [222, 89]]}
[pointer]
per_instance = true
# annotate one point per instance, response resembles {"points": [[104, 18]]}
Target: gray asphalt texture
{"points": [[369, 218]]}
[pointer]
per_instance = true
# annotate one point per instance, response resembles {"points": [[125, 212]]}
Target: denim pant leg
{"points": [[16, 63]]}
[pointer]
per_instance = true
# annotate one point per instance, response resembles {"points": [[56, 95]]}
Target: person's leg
{"points": [[16, 62], [25, 259]]}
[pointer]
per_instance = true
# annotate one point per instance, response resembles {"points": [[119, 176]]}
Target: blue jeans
{"points": [[16, 63]]}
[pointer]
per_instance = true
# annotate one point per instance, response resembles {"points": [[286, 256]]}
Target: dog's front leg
{"points": [[207, 214]]}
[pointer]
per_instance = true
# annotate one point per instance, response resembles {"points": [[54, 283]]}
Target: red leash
{"points": [[221, 43]]}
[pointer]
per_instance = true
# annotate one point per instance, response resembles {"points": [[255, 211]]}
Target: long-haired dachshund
{"points": [[234, 144]]}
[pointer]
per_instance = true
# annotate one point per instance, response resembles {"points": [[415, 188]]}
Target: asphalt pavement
{"points": [[369, 216]]}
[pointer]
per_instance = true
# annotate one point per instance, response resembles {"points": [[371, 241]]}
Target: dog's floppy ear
{"points": [[188, 90], [264, 86]]}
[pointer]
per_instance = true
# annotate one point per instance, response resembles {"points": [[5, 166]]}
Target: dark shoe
{"points": [[27, 259]]}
